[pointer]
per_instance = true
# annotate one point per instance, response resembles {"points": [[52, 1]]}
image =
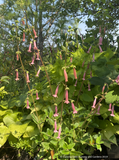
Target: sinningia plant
{"points": [[71, 105]]}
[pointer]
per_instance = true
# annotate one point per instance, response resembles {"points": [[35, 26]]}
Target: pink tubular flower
{"points": [[94, 102], [30, 47], [93, 58], [98, 110], [100, 49], [32, 60], [112, 114], [37, 95], [23, 36], [59, 133], [75, 75], [27, 77], [117, 80], [17, 75], [34, 33], [65, 75], [103, 88], [55, 127], [17, 56], [100, 40], [23, 22], [66, 97], [89, 49], [56, 91], [35, 47], [56, 114], [110, 105], [89, 87], [37, 56], [27, 104], [73, 107], [60, 56], [84, 76], [70, 59], [38, 73]]}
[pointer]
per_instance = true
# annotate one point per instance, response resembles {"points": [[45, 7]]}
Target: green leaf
{"points": [[70, 146], [66, 130], [109, 132], [49, 132], [53, 142], [4, 133], [5, 79], [86, 97], [45, 145], [18, 130], [31, 130], [110, 98], [4, 104], [64, 152], [10, 118]]}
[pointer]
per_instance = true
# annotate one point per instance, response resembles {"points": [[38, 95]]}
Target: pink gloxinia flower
{"points": [[37, 95], [103, 88], [55, 127], [66, 97], [23, 22], [89, 49], [60, 56], [59, 133], [35, 47], [56, 91], [70, 59], [27, 104], [117, 80], [27, 77], [89, 87], [17, 56], [94, 102], [100, 49], [75, 75], [37, 54], [100, 40], [65, 75], [56, 114], [112, 114], [34, 33], [110, 105], [84, 76], [23, 36], [73, 107], [17, 75], [38, 73], [30, 47], [32, 60], [98, 110]]}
